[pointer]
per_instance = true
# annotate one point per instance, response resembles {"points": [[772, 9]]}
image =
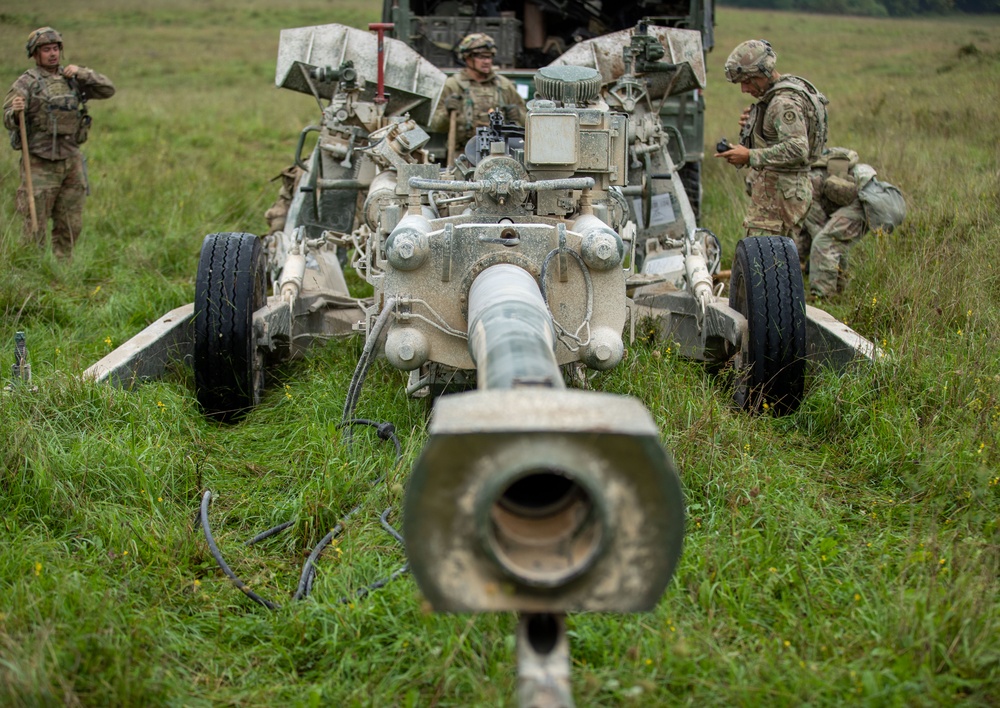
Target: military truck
{"points": [[532, 34]]}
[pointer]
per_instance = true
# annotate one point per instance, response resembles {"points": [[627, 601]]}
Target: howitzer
{"points": [[527, 497], [498, 278]]}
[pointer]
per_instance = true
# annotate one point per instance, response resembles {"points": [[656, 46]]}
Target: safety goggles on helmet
{"points": [[477, 44]]}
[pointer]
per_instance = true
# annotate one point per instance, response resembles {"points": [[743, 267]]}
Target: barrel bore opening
{"points": [[545, 528], [543, 633]]}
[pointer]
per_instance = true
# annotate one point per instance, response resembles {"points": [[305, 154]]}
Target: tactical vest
{"points": [[480, 99], [815, 104], [57, 109]]}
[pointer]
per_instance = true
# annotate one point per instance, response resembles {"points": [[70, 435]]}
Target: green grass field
{"points": [[846, 554]]}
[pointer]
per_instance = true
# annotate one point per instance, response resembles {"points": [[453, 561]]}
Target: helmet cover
{"points": [[476, 43], [40, 37], [751, 58]]}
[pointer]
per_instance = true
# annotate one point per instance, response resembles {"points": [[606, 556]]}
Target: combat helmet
{"points": [[40, 37], [751, 58], [476, 42]]}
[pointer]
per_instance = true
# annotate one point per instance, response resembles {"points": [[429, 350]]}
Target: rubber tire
{"points": [[231, 286], [690, 174], [766, 288]]}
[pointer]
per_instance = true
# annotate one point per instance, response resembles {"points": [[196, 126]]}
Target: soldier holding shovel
{"points": [[46, 112]]}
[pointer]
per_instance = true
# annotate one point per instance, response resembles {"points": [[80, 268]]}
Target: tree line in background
{"points": [[874, 8]]}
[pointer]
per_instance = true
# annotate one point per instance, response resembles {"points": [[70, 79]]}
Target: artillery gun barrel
{"points": [[511, 336], [531, 497]]}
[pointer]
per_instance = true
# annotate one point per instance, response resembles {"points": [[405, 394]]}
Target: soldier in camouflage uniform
{"points": [[781, 135], [476, 90], [52, 99], [837, 218]]}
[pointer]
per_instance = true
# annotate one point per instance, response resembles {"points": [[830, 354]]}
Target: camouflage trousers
{"points": [[60, 188], [832, 238], [779, 202]]}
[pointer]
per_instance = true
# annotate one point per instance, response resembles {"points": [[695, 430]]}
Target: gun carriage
{"points": [[500, 276]]}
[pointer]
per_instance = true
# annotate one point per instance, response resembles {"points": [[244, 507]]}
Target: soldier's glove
{"points": [[454, 102]]}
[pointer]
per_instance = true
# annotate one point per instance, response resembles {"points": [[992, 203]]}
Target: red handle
{"points": [[380, 28]]}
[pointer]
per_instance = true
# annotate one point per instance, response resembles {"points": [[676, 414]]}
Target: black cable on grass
{"points": [[206, 497], [405, 568], [383, 519], [308, 570], [362, 592], [309, 581], [386, 431], [270, 532], [304, 581], [365, 360]]}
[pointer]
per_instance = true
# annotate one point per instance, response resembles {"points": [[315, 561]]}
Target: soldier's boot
{"points": [[64, 237]]}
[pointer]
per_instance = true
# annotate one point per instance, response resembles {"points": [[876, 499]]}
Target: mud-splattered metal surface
{"points": [[683, 47], [412, 82]]}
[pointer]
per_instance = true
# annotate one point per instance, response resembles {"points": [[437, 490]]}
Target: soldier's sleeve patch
{"points": [[788, 117]]}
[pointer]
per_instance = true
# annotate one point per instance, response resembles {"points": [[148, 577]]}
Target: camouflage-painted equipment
{"points": [[498, 280], [531, 35], [40, 37], [21, 369]]}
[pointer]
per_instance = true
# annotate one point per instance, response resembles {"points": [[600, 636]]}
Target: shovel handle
{"points": [[26, 163]]}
